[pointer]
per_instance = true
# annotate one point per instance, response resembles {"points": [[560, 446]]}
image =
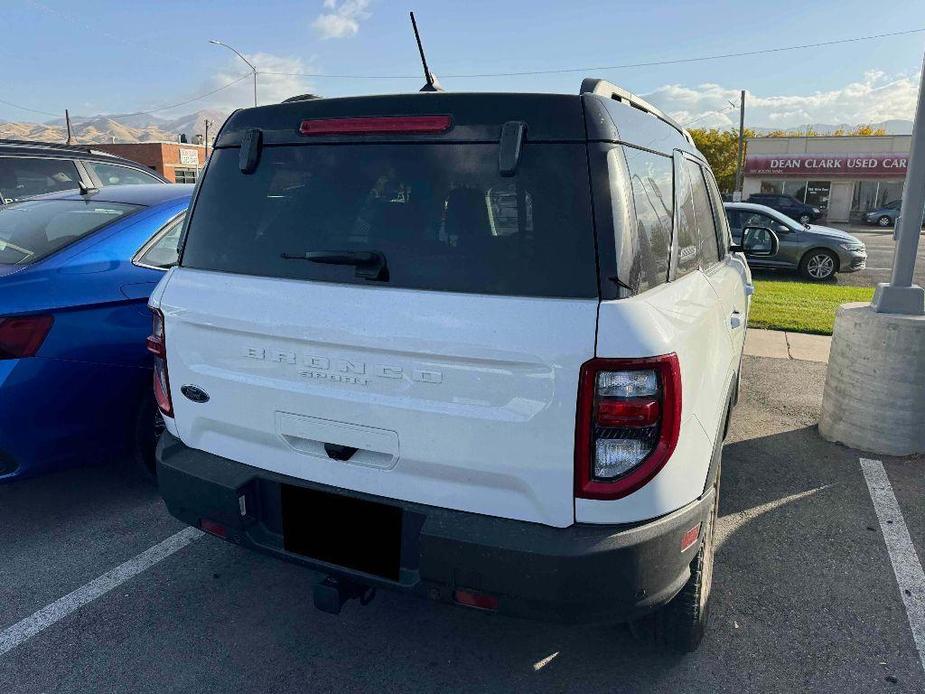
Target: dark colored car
{"points": [[35, 168], [787, 204], [817, 252], [884, 216], [75, 275]]}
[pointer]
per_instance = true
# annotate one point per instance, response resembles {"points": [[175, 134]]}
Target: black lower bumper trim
{"points": [[581, 573]]}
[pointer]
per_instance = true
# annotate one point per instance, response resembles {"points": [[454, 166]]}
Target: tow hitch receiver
{"points": [[330, 594]]}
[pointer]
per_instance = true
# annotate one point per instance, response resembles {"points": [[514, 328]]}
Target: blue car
{"points": [[76, 270]]}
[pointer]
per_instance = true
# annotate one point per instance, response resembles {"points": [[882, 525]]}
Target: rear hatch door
{"points": [[448, 379]]}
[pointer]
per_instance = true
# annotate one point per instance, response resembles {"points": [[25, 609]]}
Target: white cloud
{"points": [[875, 97], [341, 18], [271, 88]]}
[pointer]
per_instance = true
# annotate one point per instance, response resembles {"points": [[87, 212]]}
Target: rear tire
{"points": [[680, 625], [149, 424]]}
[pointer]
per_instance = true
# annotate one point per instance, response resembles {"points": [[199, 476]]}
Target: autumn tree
{"points": [[720, 148]]}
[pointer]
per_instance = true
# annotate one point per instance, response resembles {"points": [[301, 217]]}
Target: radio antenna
{"points": [[432, 85]]}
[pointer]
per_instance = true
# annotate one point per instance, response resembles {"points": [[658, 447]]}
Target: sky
{"points": [[111, 57]]}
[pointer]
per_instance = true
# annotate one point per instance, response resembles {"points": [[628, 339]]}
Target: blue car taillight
{"points": [[21, 336], [157, 345]]}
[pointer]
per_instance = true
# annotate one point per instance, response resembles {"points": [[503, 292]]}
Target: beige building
{"points": [[844, 176]]}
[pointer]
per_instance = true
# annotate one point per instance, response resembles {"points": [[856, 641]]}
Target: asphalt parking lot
{"points": [[880, 247], [804, 596]]}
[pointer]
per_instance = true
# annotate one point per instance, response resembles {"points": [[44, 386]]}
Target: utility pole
{"points": [[208, 123], [740, 155], [67, 119]]}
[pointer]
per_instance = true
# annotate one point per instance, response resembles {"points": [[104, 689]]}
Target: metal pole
{"points": [[67, 119], [207, 139], [740, 153], [249, 64], [900, 295]]}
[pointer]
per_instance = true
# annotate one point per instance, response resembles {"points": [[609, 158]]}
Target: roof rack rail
{"points": [[50, 145], [590, 85]]}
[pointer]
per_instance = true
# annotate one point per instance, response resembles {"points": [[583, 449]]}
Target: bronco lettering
{"points": [[340, 370]]}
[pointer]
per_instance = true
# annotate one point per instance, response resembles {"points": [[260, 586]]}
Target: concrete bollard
{"points": [[874, 397]]}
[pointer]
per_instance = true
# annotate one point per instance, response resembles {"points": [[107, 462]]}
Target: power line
{"points": [[188, 101], [710, 113], [95, 31], [165, 107], [31, 110], [653, 63]]}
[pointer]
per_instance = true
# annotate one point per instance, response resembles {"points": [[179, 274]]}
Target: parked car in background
{"points": [[34, 168], [817, 252], [462, 377], [884, 216], [75, 275], [788, 205]]}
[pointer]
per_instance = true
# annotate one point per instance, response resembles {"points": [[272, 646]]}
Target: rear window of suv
{"points": [[440, 214]]}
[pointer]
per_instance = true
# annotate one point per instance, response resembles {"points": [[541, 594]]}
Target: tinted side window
{"points": [[645, 261], [162, 253], [24, 177], [706, 229], [723, 231], [113, 175], [688, 240], [734, 221]]}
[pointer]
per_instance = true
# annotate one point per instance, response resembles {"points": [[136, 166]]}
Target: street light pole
{"points": [[901, 295], [249, 64]]}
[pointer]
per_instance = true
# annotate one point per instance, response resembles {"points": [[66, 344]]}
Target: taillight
{"points": [[157, 345], [376, 124], [21, 336], [629, 416]]}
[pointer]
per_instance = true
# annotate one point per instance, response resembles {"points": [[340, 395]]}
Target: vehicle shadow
{"points": [[793, 537]]}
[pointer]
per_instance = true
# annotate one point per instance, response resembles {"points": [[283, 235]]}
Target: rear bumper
{"points": [[576, 574]]}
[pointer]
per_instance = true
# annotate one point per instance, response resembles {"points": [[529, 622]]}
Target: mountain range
{"points": [[130, 127], [145, 127]]}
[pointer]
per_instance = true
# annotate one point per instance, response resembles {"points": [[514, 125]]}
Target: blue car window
{"points": [[34, 229]]}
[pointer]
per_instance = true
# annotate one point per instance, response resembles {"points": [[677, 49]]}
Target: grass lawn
{"points": [[801, 307]]}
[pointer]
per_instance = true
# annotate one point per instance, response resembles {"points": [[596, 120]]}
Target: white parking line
{"points": [[906, 565], [25, 629]]}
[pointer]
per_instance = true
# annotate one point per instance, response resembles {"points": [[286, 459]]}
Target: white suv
{"points": [[477, 347]]}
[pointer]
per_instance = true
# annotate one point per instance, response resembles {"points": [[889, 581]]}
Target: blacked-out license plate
{"points": [[352, 533]]}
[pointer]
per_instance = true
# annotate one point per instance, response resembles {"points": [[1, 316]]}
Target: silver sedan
{"points": [[815, 251]]}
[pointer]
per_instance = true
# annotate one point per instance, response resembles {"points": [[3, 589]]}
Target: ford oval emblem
{"points": [[195, 394]]}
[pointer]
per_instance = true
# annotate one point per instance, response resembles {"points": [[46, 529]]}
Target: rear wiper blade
{"points": [[370, 265]]}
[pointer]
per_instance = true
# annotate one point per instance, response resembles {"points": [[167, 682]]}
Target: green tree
{"points": [[720, 148]]}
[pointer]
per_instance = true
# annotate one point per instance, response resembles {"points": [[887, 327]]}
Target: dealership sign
{"points": [[189, 157], [849, 165]]}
